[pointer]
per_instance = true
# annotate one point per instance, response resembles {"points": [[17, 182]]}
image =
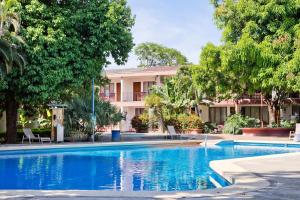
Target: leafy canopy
{"points": [[68, 44], [260, 51], [152, 54]]}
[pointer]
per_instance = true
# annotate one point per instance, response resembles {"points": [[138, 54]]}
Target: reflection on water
{"points": [[158, 169]]}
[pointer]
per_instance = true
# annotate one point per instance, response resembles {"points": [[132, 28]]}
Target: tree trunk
{"points": [[11, 106], [236, 107], [274, 114]]}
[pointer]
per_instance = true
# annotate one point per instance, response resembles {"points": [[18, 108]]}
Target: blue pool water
{"points": [[124, 168]]}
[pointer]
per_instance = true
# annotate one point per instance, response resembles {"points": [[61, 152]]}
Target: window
{"points": [[109, 89], [217, 114], [139, 111], [256, 112], [147, 86], [296, 110]]}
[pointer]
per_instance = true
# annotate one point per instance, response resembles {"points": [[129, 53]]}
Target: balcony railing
{"points": [[108, 96], [126, 96]]}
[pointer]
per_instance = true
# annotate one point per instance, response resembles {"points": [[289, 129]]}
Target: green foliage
{"points": [[9, 20], [152, 54], [67, 44], [209, 127], [235, 122], [260, 52], [172, 120], [178, 93], [195, 122], [140, 123], [187, 122], [184, 122], [283, 124], [78, 114]]}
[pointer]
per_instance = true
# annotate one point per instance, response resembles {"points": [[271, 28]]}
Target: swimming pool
{"points": [[124, 168]]}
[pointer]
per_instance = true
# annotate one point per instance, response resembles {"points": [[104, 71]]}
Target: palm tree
{"points": [[10, 57], [9, 28], [8, 18]]}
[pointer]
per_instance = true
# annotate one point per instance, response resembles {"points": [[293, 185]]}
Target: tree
{"points": [[68, 44], [215, 82], [260, 42], [152, 54], [79, 112], [10, 59]]}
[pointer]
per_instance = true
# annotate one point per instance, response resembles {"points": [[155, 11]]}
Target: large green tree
{"points": [[151, 54], [260, 46], [214, 81], [68, 44]]}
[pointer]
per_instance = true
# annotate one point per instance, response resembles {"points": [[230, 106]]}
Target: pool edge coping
{"points": [[229, 169]]}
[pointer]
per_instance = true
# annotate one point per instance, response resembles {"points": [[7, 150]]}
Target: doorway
{"points": [[137, 91], [118, 96]]}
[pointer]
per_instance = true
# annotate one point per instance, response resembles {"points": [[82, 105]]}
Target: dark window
{"points": [[139, 111], [217, 114]]}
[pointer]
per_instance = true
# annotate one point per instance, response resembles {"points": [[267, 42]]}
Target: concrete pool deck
{"points": [[265, 177]]}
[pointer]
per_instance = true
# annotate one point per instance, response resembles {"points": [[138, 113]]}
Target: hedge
{"points": [[43, 132]]}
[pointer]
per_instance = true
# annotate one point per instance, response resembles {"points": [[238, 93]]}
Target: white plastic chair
{"points": [[172, 132], [28, 135]]}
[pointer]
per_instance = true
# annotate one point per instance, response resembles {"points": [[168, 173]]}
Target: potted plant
{"points": [[195, 124], [139, 123]]}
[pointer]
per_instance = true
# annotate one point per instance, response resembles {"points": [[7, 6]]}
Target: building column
{"points": [[228, 111], [142, 86], [115, 90], [158, 80]]}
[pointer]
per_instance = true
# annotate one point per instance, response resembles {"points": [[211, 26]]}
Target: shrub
{"points": [[185, 122], [139, 123], [235, 122], [173, 121], [43, 132], [283, 124], [209, 127], [195, 122]]}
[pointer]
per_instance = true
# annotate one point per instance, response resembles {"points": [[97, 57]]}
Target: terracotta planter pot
{"points": [[195, 131], [278, 132]]}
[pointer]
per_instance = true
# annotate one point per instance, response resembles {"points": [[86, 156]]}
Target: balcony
{"points": [[108, 97], [126, 96], [134, 96]]}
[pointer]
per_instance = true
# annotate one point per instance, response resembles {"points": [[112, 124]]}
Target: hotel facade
{"points": [[129, 87]]}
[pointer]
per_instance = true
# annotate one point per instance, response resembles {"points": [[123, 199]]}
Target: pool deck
{"points": [[265, 177]]}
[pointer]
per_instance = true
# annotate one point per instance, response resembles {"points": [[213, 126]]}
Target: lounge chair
{"points": [[297, 131], [28, 135], [172, 133]]}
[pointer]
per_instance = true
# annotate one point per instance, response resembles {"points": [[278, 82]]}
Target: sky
{"points": [[186, 25]]}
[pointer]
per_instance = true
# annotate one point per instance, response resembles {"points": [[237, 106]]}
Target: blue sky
{"points": [[186, 25]]}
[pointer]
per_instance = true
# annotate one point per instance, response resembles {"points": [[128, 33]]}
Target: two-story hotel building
{"points": [[129, 87]]}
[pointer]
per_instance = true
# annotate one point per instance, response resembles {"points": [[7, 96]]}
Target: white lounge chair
{"points": [[172, 132], [28, 135], [297, 131]]}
